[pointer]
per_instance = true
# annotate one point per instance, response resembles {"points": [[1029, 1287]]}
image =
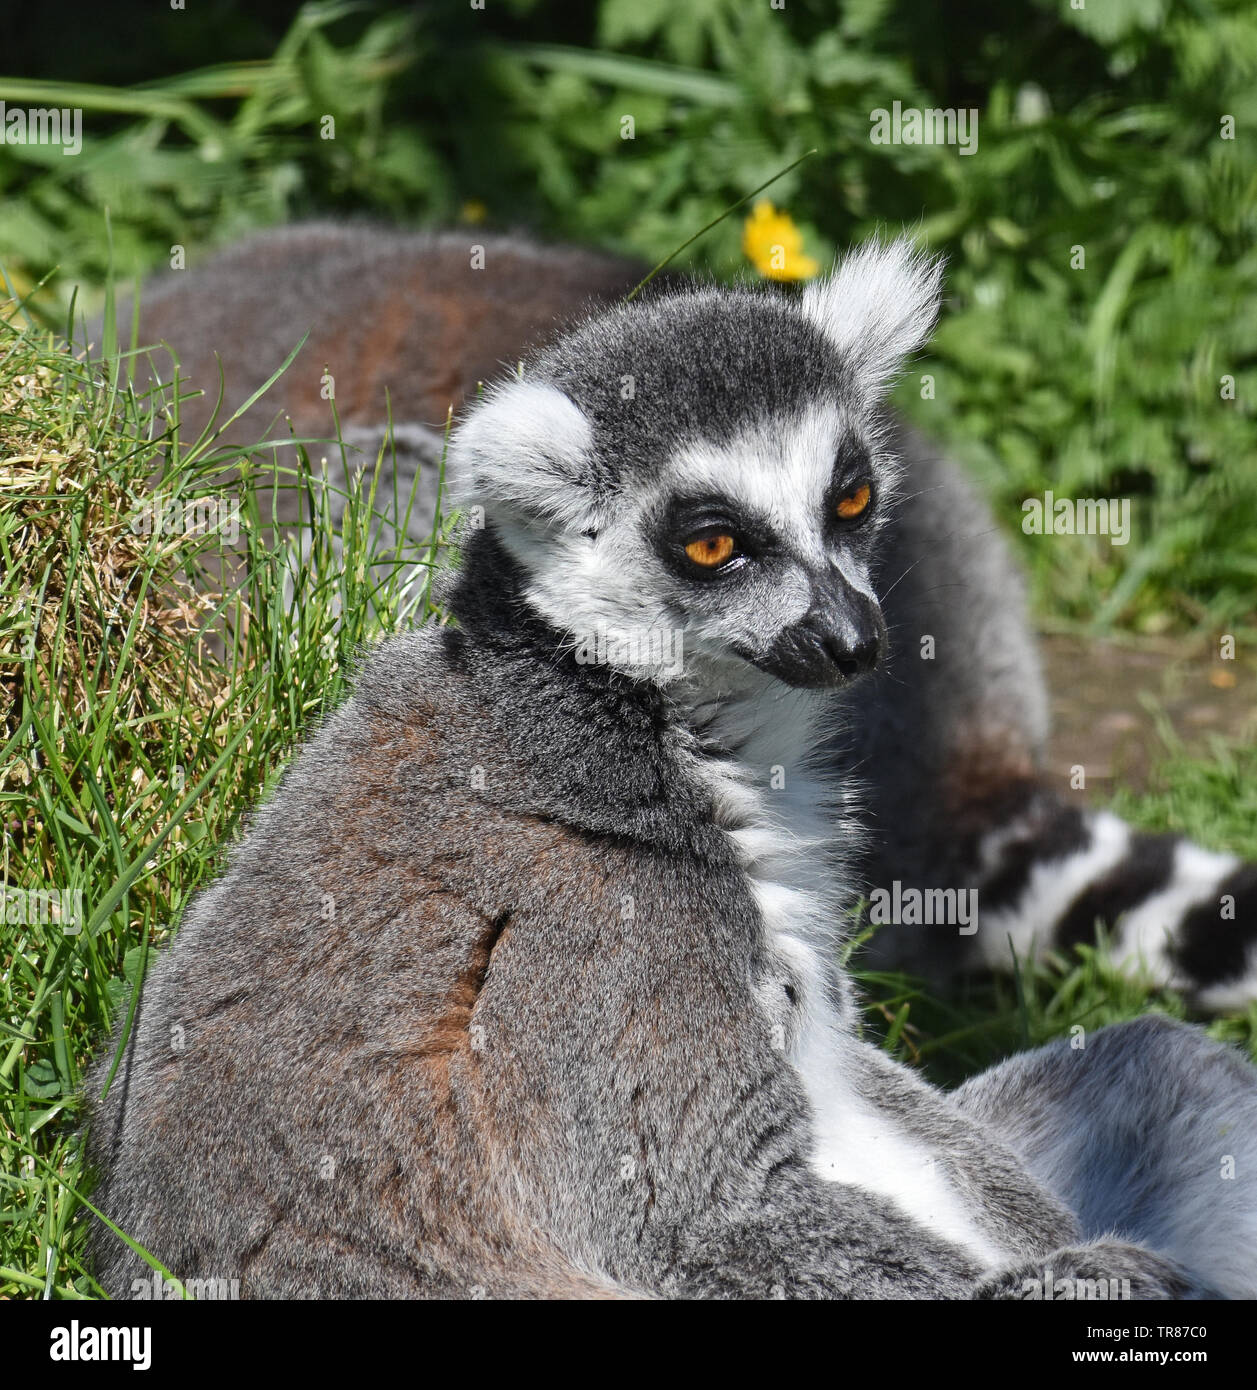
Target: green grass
{"points": [[1210, 799], [151, 688]]}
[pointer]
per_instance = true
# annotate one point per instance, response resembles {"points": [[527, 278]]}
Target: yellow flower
{"points": [[774, 245], [473, 211]]}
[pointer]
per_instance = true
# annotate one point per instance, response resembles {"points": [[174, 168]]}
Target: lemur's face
{"points": [[706, 476], [761, 544]]}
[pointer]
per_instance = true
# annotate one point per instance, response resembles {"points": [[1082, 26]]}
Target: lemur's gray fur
{"points": [[947, 750], [525, 982]]}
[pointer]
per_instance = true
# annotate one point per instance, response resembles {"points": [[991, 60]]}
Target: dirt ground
{"points": [[1105, 699]]}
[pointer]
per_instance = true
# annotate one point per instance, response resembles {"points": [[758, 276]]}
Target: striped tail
{"points": [[1186, 916]]}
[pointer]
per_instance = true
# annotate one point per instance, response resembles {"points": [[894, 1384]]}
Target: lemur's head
{"points": [[712, 462]]}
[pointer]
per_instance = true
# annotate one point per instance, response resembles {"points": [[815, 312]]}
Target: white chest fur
{"points": [[776, 816]]}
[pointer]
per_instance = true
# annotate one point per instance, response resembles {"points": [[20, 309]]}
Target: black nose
{"points": [[857, 659], [840, 637], [847, 628]]}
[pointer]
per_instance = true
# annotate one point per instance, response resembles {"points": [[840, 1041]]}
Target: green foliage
{"points": [[204, 155], [152, 684], [1212, 800], [1101, 128]]}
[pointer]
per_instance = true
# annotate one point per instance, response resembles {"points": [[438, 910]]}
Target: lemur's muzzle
{"points": [[840, 637]]}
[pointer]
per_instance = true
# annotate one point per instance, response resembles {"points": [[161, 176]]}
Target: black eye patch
{"points": [[851, 497], [853, 465], [683, 518]]}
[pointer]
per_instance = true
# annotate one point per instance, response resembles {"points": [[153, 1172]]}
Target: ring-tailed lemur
{"points": [[528, 969], [949, 751]]}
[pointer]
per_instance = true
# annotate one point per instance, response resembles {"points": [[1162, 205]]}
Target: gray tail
{"points": [[1147, 1132]]}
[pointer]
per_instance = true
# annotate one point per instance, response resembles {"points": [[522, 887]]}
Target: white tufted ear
{"points": [[877, 305], [526, 446]]}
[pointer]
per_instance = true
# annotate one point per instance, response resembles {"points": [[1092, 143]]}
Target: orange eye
{"points": [[710, 551], [851, 507]]}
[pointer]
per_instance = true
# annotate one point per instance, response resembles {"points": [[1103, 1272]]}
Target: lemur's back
{"points": [[406, 314], [306, 1084], [461, 1021]]}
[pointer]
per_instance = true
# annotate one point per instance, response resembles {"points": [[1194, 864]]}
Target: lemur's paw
{"points": [[1105, 1269]]}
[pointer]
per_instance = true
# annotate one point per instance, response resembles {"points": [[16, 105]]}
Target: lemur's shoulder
{"points": [[501, 720], [459, 736]]}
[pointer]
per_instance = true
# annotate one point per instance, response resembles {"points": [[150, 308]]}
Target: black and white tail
{"points": [[1055, 875], [950, 741]]}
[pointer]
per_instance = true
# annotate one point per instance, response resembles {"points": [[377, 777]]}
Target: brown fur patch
{"points": [[989, 775]]}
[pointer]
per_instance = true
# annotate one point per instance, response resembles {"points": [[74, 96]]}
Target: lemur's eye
{"points": [[712, 550], [855, 503]]}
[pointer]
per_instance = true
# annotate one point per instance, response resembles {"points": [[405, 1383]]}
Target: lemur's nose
{"points": [[848, 629], [841, 636], [856, 660]]}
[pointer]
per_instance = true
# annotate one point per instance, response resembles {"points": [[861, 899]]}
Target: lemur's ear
{"points": [[877, 305], [527, 447]]}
